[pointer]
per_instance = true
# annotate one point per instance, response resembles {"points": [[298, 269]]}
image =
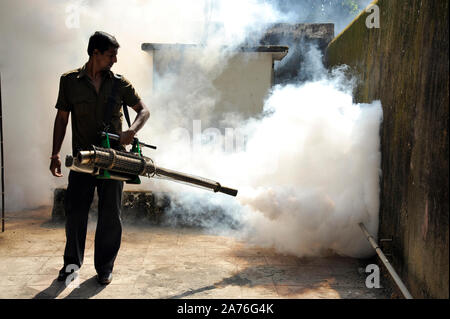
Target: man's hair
{"points": [[101, 41]]}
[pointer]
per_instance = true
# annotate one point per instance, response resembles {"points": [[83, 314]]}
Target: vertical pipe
{"points": [[1, 150], [385, 261]]}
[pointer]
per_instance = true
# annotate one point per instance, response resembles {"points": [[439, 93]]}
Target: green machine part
{"points": [[136, 149]]}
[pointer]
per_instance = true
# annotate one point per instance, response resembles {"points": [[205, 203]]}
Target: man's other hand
{"points": [[55, 167], [127, 137]]}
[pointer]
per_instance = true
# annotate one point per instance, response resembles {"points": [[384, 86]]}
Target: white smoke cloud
{"points": [[309, 171], [326, 181]]}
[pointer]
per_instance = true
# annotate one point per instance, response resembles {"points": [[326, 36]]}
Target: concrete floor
{"points": [[163, 262]]}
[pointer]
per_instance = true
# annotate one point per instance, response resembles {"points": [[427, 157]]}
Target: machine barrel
{"points": [[191, 179], [122, 164]]}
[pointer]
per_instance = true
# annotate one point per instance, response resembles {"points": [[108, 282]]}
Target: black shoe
{"points": [[63, 274], [104, 279]]}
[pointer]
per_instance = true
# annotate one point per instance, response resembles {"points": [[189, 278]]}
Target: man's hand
{"points": [[55, 166], [127, 137], [142, 116]]}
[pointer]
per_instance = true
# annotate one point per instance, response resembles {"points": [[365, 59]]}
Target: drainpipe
{"points": [[383, 258]]}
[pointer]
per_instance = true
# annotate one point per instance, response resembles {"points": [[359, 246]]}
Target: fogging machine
{"points": [[107, 163]]}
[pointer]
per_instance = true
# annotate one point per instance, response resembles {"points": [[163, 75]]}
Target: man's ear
{"points": [[95, 52]]}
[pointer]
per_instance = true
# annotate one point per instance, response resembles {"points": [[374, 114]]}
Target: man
{"points": [[93, 94]]}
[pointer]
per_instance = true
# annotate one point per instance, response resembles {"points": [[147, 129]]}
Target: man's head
{"points": [[102, 48]]}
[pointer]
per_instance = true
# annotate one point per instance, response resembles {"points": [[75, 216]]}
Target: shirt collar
{"points": [[83, 72]]}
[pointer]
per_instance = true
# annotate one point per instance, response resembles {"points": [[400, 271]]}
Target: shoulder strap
{"points": [[125, 112], [109, 105]]}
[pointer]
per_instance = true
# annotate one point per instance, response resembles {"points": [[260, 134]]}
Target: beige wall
{"points": [[239, 85], [245, 82]]}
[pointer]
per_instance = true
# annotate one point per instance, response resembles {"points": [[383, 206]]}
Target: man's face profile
{"points": [[106, 59]]}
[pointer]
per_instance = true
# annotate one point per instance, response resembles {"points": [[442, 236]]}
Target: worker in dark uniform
{"points": [[86, 93]]}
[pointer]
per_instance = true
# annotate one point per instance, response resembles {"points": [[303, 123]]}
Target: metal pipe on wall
{"points": [[385, 261]]}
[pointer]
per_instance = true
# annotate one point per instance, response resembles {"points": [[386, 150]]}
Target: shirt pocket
{"points": [[83, 108]]}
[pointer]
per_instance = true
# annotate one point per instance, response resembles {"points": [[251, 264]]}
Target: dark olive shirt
{"points": [[78, 96]]}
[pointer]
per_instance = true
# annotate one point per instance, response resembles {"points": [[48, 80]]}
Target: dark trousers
{"points": [[79, 196]]}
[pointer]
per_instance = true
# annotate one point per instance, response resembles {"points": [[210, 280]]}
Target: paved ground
{"points": [[162, 262]]}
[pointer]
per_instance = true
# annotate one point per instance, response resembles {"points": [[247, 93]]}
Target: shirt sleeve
{"points": [[62, 102], [129, 94]]}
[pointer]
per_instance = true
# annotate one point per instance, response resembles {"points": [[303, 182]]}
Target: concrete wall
{"points": [[296, 37], [245, 83], [137, 206], [405, 64]]}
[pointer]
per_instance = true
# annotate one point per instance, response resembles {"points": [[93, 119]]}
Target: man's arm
{"points": [[59, 131], [143, 115]]}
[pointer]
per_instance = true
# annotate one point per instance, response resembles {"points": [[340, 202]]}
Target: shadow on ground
{"points": [[87, 289]]}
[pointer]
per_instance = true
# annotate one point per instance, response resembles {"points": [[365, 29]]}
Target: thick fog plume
{"points": [[308, 174], [307, 168], [325, 155]]}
